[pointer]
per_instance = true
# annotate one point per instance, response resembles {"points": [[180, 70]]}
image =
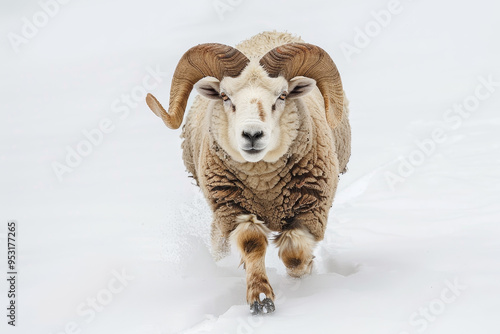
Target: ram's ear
{"points": [[208, 87], [300, 86]]}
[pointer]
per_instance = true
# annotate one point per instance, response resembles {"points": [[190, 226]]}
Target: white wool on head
{"points": [[260, 44]]}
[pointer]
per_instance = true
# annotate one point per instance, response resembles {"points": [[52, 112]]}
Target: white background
{"points": [[390, 252]]}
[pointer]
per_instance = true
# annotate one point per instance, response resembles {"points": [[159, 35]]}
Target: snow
{"points": [[120, 243]]}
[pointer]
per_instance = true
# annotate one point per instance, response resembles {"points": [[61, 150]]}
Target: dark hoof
{"points": [[264, 307]]}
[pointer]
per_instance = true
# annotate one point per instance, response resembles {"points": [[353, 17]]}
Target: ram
{"points": [[266, 141]]}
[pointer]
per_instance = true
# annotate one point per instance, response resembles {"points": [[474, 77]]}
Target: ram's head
{"points": [[253, 95]]}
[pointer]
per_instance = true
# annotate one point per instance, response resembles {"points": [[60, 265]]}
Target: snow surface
{"points": [[422, 256]]}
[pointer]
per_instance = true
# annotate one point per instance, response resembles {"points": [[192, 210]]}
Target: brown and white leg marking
{"points": [[250, 236], [296, 248]]}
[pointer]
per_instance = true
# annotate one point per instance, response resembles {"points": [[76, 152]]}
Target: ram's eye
{"points": [[224, 97], [282, 96]]}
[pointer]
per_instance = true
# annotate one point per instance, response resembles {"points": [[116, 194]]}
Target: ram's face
{"points": [[255, 123]]}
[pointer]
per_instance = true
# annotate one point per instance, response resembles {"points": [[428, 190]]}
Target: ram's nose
{"points": [[252, 137]]}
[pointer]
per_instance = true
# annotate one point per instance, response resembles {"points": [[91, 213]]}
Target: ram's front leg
{"points": [[296, 243], [296, 248], [250, 236]]}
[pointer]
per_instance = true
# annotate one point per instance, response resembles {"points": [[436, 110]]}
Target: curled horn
{"points": [[211, 59], [302, 59]]}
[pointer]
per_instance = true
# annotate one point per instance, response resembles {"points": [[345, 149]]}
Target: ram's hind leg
{"points": [[220, 244], [250, 236], [296, 248]]}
